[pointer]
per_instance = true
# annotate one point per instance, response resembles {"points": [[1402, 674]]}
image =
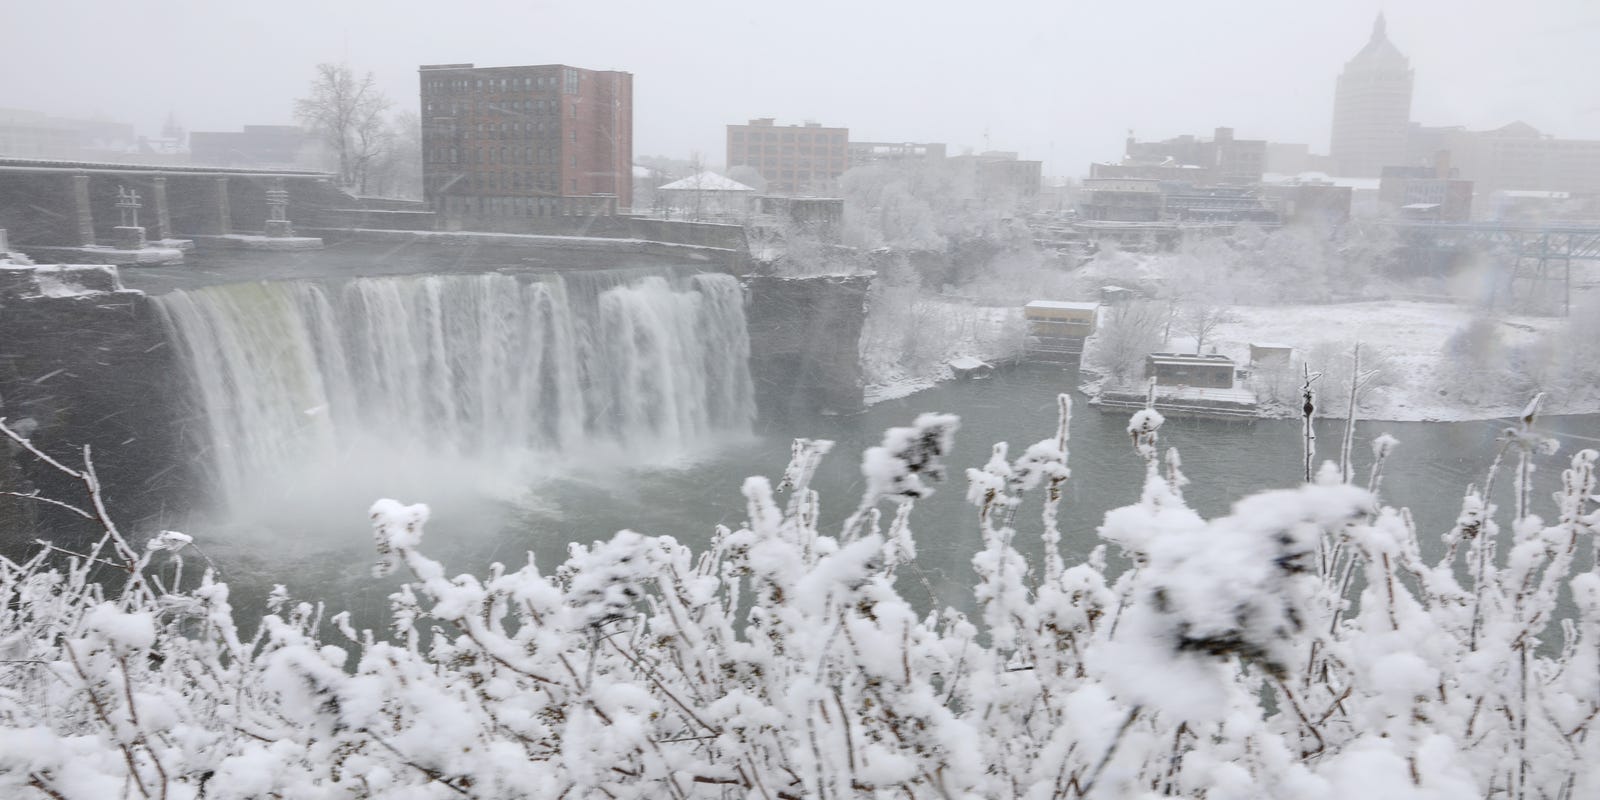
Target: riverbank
{"points": [[1406, 341], [917, 343]]}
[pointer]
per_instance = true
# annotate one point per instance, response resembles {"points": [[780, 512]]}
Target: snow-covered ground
{"points": [[921, 346], [1410, 335]]}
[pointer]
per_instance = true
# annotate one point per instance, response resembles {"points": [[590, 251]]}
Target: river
{"points": [[322, 549], [500, 488]]}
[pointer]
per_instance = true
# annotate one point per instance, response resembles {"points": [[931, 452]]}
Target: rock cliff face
{"points": [[805, 342], [85, 362]]}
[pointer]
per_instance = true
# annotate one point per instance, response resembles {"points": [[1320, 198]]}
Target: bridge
{"points": [[70, 211], [1535, 261], [78, 204]]}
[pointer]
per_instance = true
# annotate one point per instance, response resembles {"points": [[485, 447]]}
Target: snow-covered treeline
{"points": [[1299, 646]]}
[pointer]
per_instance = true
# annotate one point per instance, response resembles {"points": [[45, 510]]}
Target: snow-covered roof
{"points": [[707, 182], [1533, 194], [1273, 345], [1207, 359], [1063, 305], [642, 172], [1421, 206], [1314, 177]]}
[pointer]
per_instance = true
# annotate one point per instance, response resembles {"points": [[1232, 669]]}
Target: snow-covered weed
{"points": [[1298, 646]]}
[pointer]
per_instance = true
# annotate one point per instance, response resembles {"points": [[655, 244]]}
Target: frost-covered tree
{"points": [[1127, 333], [1200, 319], [347, 110]]}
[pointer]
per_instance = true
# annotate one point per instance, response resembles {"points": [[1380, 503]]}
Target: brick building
{"points": [[793, 159], [533, 141]]}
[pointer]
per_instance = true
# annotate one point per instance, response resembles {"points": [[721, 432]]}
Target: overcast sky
{"points": [[1058, 80]]}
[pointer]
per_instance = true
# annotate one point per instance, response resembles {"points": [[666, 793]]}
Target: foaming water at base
{"points": [[314, 397]]}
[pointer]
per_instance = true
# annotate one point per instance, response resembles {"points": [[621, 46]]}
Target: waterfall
{"points": [[294, 382]]}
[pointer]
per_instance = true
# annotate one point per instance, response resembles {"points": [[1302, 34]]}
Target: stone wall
{"points": [[702, 234], [805, 342]]}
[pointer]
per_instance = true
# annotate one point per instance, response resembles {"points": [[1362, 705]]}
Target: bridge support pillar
{"points": [[158, 195], [85, 215], [224, 216]]}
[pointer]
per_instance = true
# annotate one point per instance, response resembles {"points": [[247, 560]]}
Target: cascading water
{"points": [[299, 383]]}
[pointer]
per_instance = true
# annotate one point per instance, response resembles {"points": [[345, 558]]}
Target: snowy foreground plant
{"points": [[1297, 647]]}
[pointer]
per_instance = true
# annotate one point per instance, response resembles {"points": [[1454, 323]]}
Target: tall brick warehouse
{"points": [[548, 140], [793, 159]]}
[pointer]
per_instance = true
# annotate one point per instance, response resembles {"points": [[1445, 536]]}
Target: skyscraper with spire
{"points": [[1372, 108]]}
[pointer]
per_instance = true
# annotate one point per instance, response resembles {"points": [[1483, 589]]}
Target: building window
{"points": [[572, 161], [573, 136], [574, 183], [571, 86]]}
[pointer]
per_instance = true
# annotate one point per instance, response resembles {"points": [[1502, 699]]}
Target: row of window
{"points": [[755, 151], [499, 130], [568, 83], [755, 160], [737, 135], [499, 155], [522, 107], [516, 182], [522, 133]]}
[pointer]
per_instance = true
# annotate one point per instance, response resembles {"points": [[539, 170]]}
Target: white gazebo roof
{"points": [[706, 182]]}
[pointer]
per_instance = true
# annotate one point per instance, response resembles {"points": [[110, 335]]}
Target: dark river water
{"points": [[322, 549]]}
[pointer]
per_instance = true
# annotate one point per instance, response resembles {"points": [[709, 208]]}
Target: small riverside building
{"points": [[1270, 354], [706, 196], [1056, 329], [1200, 371]]}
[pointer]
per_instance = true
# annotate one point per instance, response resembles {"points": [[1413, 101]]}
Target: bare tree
{"points": [[1129, 332], [348, 112], [1201, 319], [397, 170]]}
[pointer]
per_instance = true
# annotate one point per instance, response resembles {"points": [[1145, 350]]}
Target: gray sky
{"points": [[1057, 80]]}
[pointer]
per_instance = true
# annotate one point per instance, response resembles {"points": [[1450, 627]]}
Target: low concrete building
{"points": [[1270, 354], [863, 153], [1203, 371], [819, 216], [1433, 193], [1057, 329], [256, 146]]}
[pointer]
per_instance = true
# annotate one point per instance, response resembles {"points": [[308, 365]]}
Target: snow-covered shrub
{"points": [[1299, 646]]}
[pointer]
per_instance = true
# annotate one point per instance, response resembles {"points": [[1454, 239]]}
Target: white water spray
{"points": [[298, 384]]}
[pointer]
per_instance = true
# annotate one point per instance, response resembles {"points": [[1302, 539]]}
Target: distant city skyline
{"points": [[1059, 84]]}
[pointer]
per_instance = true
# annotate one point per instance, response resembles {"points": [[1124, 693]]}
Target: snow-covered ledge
{"points": [[22, 281]]}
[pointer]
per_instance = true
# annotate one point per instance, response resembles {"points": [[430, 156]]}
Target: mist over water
{"points": [[308, 393]]}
